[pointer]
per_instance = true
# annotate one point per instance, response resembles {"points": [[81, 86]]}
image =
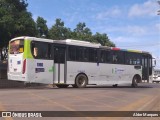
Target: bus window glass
{"points": [[138, 61], [59, 54], [51, 51], [103, 56], [118, 57], [106, 56], [72, 53], [79, 54], [92, 55], [146, 62], [85, 54], [16, 46], [150, 66], [115, 59], [133, 58], [40, 50]]}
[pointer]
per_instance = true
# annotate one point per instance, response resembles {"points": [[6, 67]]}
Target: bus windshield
{"points": [[16, 46]]}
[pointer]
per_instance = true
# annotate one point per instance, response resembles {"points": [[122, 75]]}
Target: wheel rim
{"points": [[81, 81], [135, 80]]}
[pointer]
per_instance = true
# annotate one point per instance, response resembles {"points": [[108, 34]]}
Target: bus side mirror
{"points": [[154, 62]]}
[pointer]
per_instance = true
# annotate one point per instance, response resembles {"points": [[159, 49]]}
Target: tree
{"points": [[42, 27], [103, 39], [59, 32], [15, 21], [82, 32]]}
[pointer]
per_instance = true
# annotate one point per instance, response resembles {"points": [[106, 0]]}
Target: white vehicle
{"points": [[76, 63], [156, 76]]}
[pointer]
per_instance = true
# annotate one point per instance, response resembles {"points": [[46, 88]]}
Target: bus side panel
{"points": [[124, 73], [29, 72], [59, 76], [40, 71], [117, 73], [102, 73], [105, 74], [74, 68]]}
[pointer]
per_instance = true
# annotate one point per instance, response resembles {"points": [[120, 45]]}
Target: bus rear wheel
{"points": [[62, 86], [135, 82], [74, 86], [81, 81]]}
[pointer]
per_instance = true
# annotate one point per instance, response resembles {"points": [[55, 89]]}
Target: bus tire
{"points": [[74, 86], [115, 85], [62, 86], [135, 82], [81, 81]]}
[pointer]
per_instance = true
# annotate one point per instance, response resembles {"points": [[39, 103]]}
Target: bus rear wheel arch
{"points": [[136, 79], [81, 81]]}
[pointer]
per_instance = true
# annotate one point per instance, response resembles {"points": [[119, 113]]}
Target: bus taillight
{"points": [[24, 66]]}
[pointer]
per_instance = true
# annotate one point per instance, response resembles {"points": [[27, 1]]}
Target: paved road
{"points": [[94, 98]]}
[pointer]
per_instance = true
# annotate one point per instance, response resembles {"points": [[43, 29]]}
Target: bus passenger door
{"points": [[145, 68], [59, 64]]}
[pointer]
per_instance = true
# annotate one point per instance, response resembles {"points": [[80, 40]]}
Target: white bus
{"points": [[76, 63]]}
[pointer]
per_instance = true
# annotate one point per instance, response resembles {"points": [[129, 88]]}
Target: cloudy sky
{"points": [[130, 24]]}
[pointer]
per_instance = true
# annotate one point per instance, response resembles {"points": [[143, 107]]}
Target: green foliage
{"points": [[42, 27], [15, 21], [81, 32], [103, 39], [59, 31]]}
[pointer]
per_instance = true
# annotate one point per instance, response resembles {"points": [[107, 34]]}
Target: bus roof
{"points": [[119, 49], [79, 43], [33, 38], [67, 41]]}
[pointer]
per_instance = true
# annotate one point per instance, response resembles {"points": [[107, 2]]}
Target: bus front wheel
{"points": [[81, 81]]}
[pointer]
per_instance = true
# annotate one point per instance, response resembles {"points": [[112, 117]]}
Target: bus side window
{"points": [[85, 54], [72, 53], [92, 55], [118, 57], [115, 59], [50, 51], [79, 54], [108, 56], [35, 51], [40, 50], [103, 57]]}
